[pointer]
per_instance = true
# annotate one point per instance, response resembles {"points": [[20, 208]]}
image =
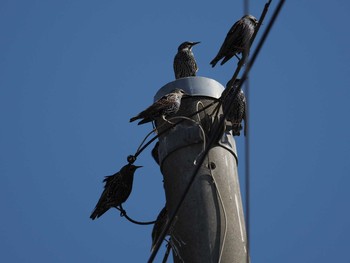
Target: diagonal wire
{"points": [[216, 136], [230, 83], [247, 137]]}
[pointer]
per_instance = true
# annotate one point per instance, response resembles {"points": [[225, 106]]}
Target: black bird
{"points": [[159, 225], [167, 105], [237, 40], [184, 63], [116, 191], [238, 111]]}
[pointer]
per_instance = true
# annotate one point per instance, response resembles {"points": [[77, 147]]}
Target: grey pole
{"points": [[210, 225]]}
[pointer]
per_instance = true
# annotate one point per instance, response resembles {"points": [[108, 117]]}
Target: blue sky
{"points": [[74, 72]]}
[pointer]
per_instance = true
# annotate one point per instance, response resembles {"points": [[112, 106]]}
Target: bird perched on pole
{"points": [[161, 221], [237, 108], [237, 40], [167, 105], [116, 191], [184, 63]]}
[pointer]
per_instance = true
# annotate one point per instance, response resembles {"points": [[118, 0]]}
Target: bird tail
{"points": [[134, 118], [227, 58], [214, 61], [98, 211], [145, 120]]}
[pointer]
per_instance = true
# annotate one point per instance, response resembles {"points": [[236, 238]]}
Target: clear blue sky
{"points": [[72, 73]]}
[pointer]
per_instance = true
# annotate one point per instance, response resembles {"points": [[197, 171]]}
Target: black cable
{"points": [[167, 253], [132, 158], [123, 214], [230, 83], [247, 137]]}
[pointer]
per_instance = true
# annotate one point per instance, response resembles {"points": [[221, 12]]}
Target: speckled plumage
{"points": [[237, 40], [238, 109], [184, 62], [167, 105], [116, 190]]}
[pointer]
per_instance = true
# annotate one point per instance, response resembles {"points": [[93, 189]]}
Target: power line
{"points": [[247, 140]]}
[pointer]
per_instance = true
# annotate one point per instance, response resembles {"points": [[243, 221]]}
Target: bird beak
{"points": [[138, 166], [195, 43], [184, 93]]}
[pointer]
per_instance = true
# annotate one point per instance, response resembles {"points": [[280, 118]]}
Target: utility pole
{"points": [[209, 226]]}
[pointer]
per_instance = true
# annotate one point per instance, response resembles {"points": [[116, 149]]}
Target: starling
{"points": [[237, 40], [238, 108], [160, 223], [184, 63], [116, 191], [167, 105]]}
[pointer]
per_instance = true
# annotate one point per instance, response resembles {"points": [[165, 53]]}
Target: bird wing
{"points": [[185, 64], [108, 196], [230, 39]]}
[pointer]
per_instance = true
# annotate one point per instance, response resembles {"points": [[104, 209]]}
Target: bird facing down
{"points": [[116, 191], [160, 223], [167, 105], [238, 108], [237, 40], [184, 63]]}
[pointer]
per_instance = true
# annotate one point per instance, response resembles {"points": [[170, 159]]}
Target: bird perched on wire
{"points": [[238, 108], [237, 40], [116, 191], [161, 221], [167, 105], [184, 63]]}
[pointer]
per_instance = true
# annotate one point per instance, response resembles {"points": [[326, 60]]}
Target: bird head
{"points": [[180, 91], [187, 45], [251, 19], [130, 168]]}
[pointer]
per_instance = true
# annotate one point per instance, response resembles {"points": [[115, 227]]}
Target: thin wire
{"points": [[216, 135], [167, 253], [123, 214], [223, 210], [247, 147], [219, 195], [240, 64], [230, 83], [139, 150]]}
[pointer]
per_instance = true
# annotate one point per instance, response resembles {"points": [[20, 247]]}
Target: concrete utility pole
{"points": [[210, 225]]}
